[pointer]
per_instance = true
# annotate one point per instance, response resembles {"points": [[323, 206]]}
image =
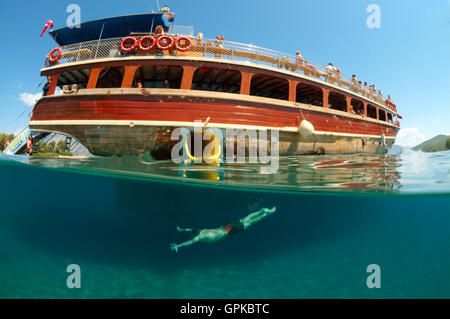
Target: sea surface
{"points": [[336, 215]]}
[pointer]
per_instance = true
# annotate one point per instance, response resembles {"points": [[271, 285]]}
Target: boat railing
{"points": [[247, 53]]}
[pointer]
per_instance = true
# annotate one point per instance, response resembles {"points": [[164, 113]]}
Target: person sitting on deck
{"points": [[309, 66], [214, 235], [388, 99], [380, 95], [298, 59], [74, 88], [65, 89], [372, 90], [139, 84], [159, 30], [284, 62], [338, 73]]}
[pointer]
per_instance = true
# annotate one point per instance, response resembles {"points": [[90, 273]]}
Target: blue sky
{"points": [[407, 57]]}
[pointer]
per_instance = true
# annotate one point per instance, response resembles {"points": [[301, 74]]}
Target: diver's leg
{"points": [[257, 216]]}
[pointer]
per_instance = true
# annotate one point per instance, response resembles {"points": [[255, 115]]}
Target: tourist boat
{"points": [[125, 86]]}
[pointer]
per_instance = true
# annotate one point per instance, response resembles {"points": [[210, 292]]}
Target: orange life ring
{"points": [[149, 47], [52, 58], [160, 44], [187, 44], [125, 49]]}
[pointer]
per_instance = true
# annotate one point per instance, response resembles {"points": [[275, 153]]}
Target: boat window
{"points": [[271, 87], [337, 102], [158, 76], [358, 107], [309, 94], [79, 77], [217, 79], [382, 115], [110, 78], [371, 111]]}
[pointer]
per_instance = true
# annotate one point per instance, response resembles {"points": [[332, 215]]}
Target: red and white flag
{"points": [[48, 24]]}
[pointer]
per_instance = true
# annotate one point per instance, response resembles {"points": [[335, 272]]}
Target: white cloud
{"points": [[30, 99], [409, 137]]}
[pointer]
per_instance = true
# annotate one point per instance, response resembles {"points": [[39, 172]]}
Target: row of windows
{"points": [[218, 80]]}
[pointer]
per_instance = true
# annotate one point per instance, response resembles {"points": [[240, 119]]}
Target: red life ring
{"points": [[149, 47], [183, 44], [126, 49], [162, 44], [52, 58]]}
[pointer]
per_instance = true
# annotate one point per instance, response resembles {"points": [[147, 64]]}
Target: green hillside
{"points": [[436, 144]]}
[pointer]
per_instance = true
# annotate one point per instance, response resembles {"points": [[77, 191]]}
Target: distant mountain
{"points": [[436, 144]]}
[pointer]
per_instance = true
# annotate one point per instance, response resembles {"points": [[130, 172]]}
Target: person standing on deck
{"points": [[354, 82], [299, 59], [214, 235], [219, 44]]}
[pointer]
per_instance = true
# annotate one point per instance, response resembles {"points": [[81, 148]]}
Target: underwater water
{"points": [[116, 217]]}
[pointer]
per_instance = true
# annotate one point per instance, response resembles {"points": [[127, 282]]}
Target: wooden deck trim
{"points": [[193, 61], [229, 97]]}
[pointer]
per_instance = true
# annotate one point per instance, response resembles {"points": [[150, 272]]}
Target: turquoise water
{"points": [[336, 215]]}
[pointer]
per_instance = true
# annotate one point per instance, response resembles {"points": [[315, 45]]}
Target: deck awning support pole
{"points": [[349, 104], [52, 88], [325, 93], [293, 90], [188, 75], [246, 80], [93, 78], [128, 76]]}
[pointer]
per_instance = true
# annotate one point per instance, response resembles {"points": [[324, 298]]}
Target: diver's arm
{"points": [[175, 247]]}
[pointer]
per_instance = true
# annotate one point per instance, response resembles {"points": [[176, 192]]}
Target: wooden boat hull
{"points": [[135, 121]]}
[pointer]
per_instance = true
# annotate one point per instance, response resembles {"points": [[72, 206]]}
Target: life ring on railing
{"points": [[183, 44], [131, 48], [52, 58], [164, 42], [149, 47]]}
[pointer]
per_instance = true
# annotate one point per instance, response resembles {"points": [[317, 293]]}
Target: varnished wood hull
{"points": [[136, 121]]}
